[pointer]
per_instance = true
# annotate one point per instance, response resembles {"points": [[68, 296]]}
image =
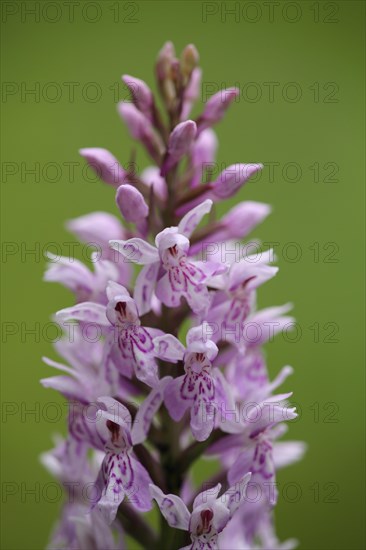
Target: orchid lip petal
{"points": [[136, 251]]}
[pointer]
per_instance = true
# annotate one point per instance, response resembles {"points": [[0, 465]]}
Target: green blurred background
{"points": [[300, 68]]}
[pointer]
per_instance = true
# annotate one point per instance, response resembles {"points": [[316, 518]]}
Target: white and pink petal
{"points": [[172, 507]]}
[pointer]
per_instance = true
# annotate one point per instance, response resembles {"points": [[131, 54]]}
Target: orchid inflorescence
{"points": [[175, 373]]}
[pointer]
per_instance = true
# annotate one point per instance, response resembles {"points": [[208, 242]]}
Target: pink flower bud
{"points": [[191, 93], [232, 178], [152, 178], [189, 60], [166, 67], [241, 219], [141, 94], [105, 165], [236, 225], [131, 203], [203, 154], [141, 129], [164, 61], [97, 227], [180, 142], [137, 123], [216, 107]]}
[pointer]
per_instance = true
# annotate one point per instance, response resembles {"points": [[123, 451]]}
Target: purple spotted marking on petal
{"points": [[165, 506], [263, 459]]}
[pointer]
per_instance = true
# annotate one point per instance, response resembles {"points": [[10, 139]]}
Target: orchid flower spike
{"points": [[162, 361]]}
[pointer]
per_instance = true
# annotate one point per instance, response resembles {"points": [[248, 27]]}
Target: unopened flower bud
{"points": [[131, 203], [232, 178], [241, 219], [164, 72], [164, 61], [189, 60], [203, 154], [216, 107], [142, 96], [236, 225], [97, 227], [191, 93], [104, 164], [225, 186], [180, 142], [141, 129], [152, 178]]}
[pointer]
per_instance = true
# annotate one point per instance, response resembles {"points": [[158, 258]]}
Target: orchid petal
{"points": [[116, 412], [104, 164], [207, 496], [268, 414], [147, 410], [173, 399], [241, 466], [202, 419], [172, 507], [144, 287], [68, 387], [287, 452], [136, 250], [145, 366], [109, 487], [97, 227], [139, 496], [115, 290], [88, 312], [169, 348], [234, 496], [190, 221], [166, 294]]}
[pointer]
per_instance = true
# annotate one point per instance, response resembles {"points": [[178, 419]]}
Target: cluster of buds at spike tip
{"points": [[178, 80], [144, 403]]}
